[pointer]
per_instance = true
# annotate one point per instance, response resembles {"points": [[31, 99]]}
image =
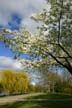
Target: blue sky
{"points": [[14, 14]]}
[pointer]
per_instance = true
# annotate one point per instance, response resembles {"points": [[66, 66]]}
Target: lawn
{"points": [[50, 103]]}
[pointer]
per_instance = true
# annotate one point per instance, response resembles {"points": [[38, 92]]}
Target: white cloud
{"points": [[30, 24], [24, 7], [7, 62]]}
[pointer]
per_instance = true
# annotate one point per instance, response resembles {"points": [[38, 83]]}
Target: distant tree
{"points": [[8, 81], [49, 80], [59, 87], [21, 82]]}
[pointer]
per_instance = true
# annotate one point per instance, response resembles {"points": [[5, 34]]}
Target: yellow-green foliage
{"points": [[14, 82], [22, 82]]}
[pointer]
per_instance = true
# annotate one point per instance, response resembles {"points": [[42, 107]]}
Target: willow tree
{"points": [[56, 31]]}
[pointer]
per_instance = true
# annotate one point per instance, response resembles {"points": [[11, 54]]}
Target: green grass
{"points": [[51, 96], [38, 105], [45, 104]]}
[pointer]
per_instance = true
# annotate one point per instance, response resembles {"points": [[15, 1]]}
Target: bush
{"points": [[68, 90]]}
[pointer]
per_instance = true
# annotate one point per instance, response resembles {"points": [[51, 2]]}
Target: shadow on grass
{"points": [[51, 96], [36, 104]]}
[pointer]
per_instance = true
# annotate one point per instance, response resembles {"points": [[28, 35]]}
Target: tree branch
{"points": [[65, 51], [56, 59], [68, 63], [68, 66], [69, 56], [59, 25]]}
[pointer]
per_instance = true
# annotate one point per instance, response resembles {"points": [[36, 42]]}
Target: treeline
{"points": [[55, 82], [12, 83]]}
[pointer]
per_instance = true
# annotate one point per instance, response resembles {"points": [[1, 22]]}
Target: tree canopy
{"points": [[52, 44]]}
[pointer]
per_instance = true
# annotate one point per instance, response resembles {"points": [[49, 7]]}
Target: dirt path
{"points": [[11, 99]]}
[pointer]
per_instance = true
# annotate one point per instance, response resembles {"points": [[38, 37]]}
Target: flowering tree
{"points": [[52, 44], [57, 30]]}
